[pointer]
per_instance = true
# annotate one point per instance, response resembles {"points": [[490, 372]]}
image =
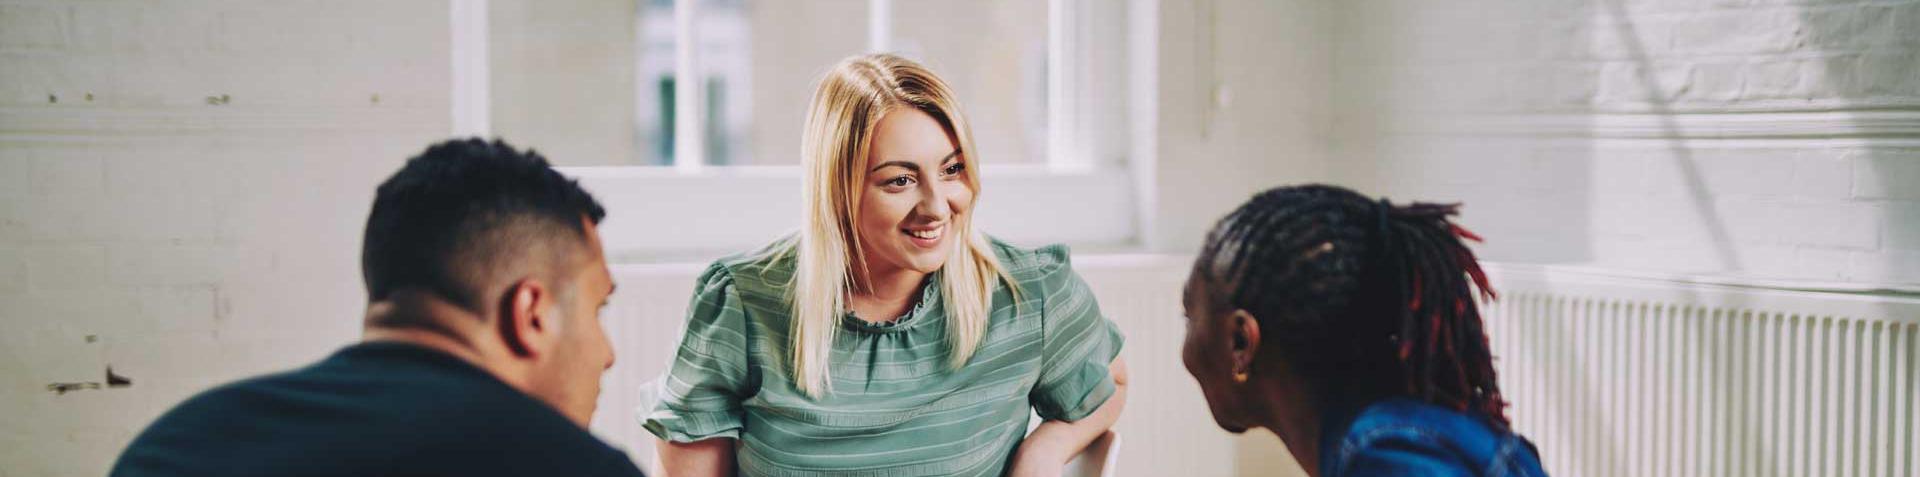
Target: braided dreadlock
{"points": [[1369, 299]]}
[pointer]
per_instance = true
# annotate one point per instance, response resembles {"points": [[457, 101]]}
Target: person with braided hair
{"points": [[1350, 328]]}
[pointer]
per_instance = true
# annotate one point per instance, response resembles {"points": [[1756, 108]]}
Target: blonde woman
{"points": [[888, 337]]}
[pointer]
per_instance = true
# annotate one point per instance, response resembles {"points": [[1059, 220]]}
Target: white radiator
{"points": [[1644, 376]]}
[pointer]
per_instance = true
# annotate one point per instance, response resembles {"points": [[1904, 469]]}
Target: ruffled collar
{"points": [[929, 298]]}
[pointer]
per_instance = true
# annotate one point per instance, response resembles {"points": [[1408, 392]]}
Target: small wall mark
{"points": [[113, 381]]}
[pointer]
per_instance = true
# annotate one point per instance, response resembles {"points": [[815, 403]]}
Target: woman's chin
{"points": [[926, 262], [929, 266], [909, 258]]}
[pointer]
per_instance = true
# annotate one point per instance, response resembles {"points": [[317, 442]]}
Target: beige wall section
{"points": [[563, 78]]}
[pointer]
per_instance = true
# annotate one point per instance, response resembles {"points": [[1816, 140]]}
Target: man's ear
{"points": [[523, 319], [1245, 335]]}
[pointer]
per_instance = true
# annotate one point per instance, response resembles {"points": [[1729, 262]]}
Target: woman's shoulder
{"points": [[1031, 265], [767, 270]]}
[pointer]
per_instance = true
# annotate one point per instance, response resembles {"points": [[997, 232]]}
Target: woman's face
{"points": [[915, 190]]}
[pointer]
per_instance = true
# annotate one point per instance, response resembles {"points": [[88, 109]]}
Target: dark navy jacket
{"points": [[1403, 436], [372, 409]]}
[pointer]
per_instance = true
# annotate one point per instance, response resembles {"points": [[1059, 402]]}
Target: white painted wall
{"points": [[199, 216], [182, 190], [1775, 140]]}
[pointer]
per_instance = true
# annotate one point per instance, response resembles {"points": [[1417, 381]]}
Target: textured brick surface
{"points": [[13, 270], [197, 254], [1640, 98], [1887, 174], [146, 231], [32, 26]]}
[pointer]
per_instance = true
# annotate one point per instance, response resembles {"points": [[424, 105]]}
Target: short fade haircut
{"points": [[466, 211]]}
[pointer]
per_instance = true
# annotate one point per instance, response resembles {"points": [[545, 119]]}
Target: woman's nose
{"points": [[934, 204]]}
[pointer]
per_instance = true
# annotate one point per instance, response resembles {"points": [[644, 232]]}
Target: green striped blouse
{"points": [[897, 408]]}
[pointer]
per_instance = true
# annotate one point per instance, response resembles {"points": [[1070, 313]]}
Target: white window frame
{"points": [[694, 211]]}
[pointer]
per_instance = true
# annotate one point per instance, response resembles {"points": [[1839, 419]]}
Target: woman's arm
{"points": [[705, 458], [1047, 450]]}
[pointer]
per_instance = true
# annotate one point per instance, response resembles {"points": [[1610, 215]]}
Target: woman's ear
{"points": [[524, 321], [1245, 332]]}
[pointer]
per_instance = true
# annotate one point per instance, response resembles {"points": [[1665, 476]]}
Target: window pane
{"points": [[561, 79], [592, 82], [653, 103], [759, 59], [726, 62], [789, 45], [994, 54]]}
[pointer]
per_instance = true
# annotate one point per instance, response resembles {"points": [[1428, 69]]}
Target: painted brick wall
{"points": [[181, 184], [181, 190], [1755, 138]]}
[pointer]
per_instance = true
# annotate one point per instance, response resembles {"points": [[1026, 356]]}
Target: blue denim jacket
{"points": [[1403, 436]]}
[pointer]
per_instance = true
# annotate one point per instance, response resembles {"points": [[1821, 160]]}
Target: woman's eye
{"points": [[901, 181], [955, 169]]}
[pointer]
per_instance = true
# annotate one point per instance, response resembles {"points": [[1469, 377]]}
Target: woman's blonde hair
{"points": [[847, 106]]}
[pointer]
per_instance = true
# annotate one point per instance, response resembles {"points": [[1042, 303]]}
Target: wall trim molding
{"points": [[1908, 293], [55, 122], [1899, 124]]}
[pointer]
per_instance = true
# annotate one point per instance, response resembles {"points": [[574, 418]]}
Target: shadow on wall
{"points": [[1870, 59], [1656, 97], [1492, 107], [1622, 132]]}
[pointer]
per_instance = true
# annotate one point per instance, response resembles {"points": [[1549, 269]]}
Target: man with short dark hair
{"points": [[482, 349]]}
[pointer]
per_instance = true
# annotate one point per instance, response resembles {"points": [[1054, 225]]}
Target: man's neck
{"points": [[432, 322], [426, 339]]}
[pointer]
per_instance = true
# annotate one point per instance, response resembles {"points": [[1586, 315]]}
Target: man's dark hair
{"points": [[466, 210], [1366, 298]]}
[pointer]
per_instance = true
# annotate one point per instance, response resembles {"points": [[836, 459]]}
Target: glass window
{"points": [[596, 82], [994, 54], [758, 61], [561, 75], [791, 44]]}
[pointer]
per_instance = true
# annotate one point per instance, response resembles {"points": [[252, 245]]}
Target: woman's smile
{"points": [[925, 237]]}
